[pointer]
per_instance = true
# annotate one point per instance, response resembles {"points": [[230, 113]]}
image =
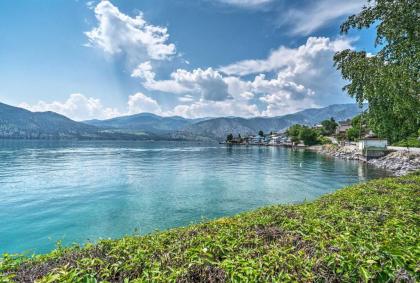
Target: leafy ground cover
{"points": [[365, 232]]}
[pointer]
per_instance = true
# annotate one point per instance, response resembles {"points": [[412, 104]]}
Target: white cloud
{"points": [[288, 80], [77, 107], [186, 98], [246, 3], [139, 103], [204, 108], [293, 60], [118, 33], [319, 13], [303, 76], [144, 71], [208, 84], [247, 95]]}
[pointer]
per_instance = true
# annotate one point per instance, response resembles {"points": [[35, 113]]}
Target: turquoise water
{"points": [[82, 191]]}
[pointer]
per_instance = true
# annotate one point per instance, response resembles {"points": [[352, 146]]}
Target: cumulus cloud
{"points": [[288, 80], [317, 14], [118, 33], [303, 76], [203, 108], [77, 107], [291, 60], [209, 84], [139, 103]]}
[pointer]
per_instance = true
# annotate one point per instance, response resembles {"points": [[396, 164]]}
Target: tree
{"points": [[358, 128], [293, 133], [329, 126], [308, 136], [261, 133], [229, 138], [388, 80], [352, 134]]}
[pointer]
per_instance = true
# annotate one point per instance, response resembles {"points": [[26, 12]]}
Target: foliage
{"points": [[366, 232], [294, 132], [329, 126], [261, 133], [358, 128], [352, 134], [323, 140], [389, 80], [409, 142], [308, 135], [229, 138], [299, 133]]}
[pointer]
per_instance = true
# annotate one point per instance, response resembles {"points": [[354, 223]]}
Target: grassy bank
{"points": [[360, 233]]}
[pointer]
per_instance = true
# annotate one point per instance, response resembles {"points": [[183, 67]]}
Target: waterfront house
{"points": [[366, 143], [275, 140], [371, 147], [256, 139]]}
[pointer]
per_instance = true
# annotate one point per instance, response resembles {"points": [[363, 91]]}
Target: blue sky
{"points": [[100, 59]]}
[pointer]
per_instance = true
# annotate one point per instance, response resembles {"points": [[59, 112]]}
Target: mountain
{"points": [[18, 123], [219, 127], [146, 122]]}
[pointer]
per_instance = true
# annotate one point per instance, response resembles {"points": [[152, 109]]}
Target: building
{"points": [[373, 147], [256, 139], [342, 127], [366, 143], [275, 140]]}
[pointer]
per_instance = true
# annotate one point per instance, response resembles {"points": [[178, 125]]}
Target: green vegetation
{"points": [[294, 133], [229, 137], [328, 127], [358, 128], [366, 232], [388, 80], [310, 136], [409, 142]]}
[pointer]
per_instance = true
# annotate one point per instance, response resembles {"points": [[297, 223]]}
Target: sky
{"points": [[201, 58]]}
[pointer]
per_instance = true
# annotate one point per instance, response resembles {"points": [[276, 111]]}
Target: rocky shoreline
{"points": [[398, 162]]}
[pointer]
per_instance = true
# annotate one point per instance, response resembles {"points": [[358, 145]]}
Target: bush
{"points": [[308, 136], [409, 142], [324, 140]]}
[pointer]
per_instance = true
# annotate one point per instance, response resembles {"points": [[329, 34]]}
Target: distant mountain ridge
{"points": [[147, 122], [217, 128], [19, 123], [220, 127]]}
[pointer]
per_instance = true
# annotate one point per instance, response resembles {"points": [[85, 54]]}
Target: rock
{"points": [[399, 162]]}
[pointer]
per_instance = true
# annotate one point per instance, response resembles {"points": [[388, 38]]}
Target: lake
{"points": [[82, 191]]}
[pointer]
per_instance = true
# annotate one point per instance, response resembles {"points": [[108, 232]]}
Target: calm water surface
{"points": [[82, 191]]}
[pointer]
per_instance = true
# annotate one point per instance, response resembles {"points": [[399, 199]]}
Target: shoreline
{"points": [[398, 162]]}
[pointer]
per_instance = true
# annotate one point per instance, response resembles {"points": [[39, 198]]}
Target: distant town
{"points": [[327, 132]]}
